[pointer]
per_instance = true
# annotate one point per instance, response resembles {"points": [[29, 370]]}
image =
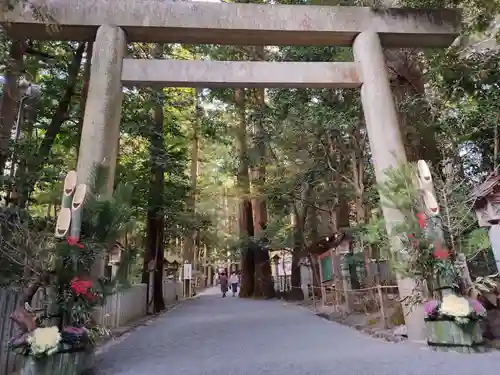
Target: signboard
{"points": [[326, 268], [188, 269]]}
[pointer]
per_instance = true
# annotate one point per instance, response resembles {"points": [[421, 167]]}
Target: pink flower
{"points": [[74, 330], [477, 307], [430, 307]]}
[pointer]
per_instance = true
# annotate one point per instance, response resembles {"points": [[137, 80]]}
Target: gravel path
{"points": [[215, 336]]}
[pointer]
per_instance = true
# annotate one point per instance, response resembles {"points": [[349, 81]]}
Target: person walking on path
{"points": [[233, 281], [223, 284]]}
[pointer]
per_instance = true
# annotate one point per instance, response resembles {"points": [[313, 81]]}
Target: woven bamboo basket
{"points": [[447, 335], [74, 363]]}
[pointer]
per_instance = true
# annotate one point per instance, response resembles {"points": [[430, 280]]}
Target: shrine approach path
{"points": [[215, 336]]}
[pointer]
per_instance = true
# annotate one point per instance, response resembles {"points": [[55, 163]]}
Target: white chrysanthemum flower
{"points": [[455, 306], [44, 341]]}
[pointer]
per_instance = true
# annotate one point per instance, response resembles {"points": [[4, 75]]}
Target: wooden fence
{"points": [[119, 309], [9, 361], [8, 300], [378, 298], [122, 307]]}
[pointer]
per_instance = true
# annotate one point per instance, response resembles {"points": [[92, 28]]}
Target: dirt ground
{"points": [[371, 323]]}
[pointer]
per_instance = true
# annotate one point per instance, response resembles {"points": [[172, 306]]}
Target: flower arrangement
{"points": [[87, 225], [426, 258], [452, 307], [76, 297], [429, 260], [44, 341]]}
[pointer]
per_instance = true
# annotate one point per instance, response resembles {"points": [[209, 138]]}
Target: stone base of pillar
{"points": [[414, 316]]}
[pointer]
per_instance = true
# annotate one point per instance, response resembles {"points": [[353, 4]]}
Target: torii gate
{"points": [[114, 23]]}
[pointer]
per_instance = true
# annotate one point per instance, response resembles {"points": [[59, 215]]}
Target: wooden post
{"points": [[333, 254], [323, 296], [382, 306], [311, 278]]}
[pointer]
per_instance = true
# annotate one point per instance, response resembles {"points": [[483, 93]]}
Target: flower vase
{"points": [[448, 335], [71, 363]]}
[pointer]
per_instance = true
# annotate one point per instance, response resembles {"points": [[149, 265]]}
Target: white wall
{"points": [[172, 291]]}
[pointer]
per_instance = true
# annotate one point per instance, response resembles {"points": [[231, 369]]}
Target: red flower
{"points": [[73, 241], [82, 288], [439, 252], [422, 219]]}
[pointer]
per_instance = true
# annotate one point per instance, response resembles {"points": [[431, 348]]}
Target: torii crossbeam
{"points": [[240, 24]]}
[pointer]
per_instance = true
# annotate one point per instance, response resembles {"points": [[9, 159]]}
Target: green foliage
{"points": [[417, 254], [106, 219], [476, 242]]}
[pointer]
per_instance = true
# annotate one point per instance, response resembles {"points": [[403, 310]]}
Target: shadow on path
{"points": [[230, 336]]}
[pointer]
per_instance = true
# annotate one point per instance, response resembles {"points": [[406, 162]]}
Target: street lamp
{"points": [[30, 93]]}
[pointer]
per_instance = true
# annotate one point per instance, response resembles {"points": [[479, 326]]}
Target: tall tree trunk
{"points": [[36, 164], [343, 222], [314, 237], [297, 253], [245, 221], [155, 215], [189, 242], [263, 277], [358, 168], [10, 99], [299, 216]]}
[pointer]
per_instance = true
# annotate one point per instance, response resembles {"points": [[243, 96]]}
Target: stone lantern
{"points": [[114, 260], [275, 260], [115, 254]]}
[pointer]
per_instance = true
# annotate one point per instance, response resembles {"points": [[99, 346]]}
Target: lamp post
{"points": [[29, 95]]}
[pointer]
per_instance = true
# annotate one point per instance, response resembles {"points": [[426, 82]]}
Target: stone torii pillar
{"points": [[386, 146], [101, 122]]}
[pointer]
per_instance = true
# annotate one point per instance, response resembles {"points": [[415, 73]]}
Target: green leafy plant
{"points": [[420, 252]]}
